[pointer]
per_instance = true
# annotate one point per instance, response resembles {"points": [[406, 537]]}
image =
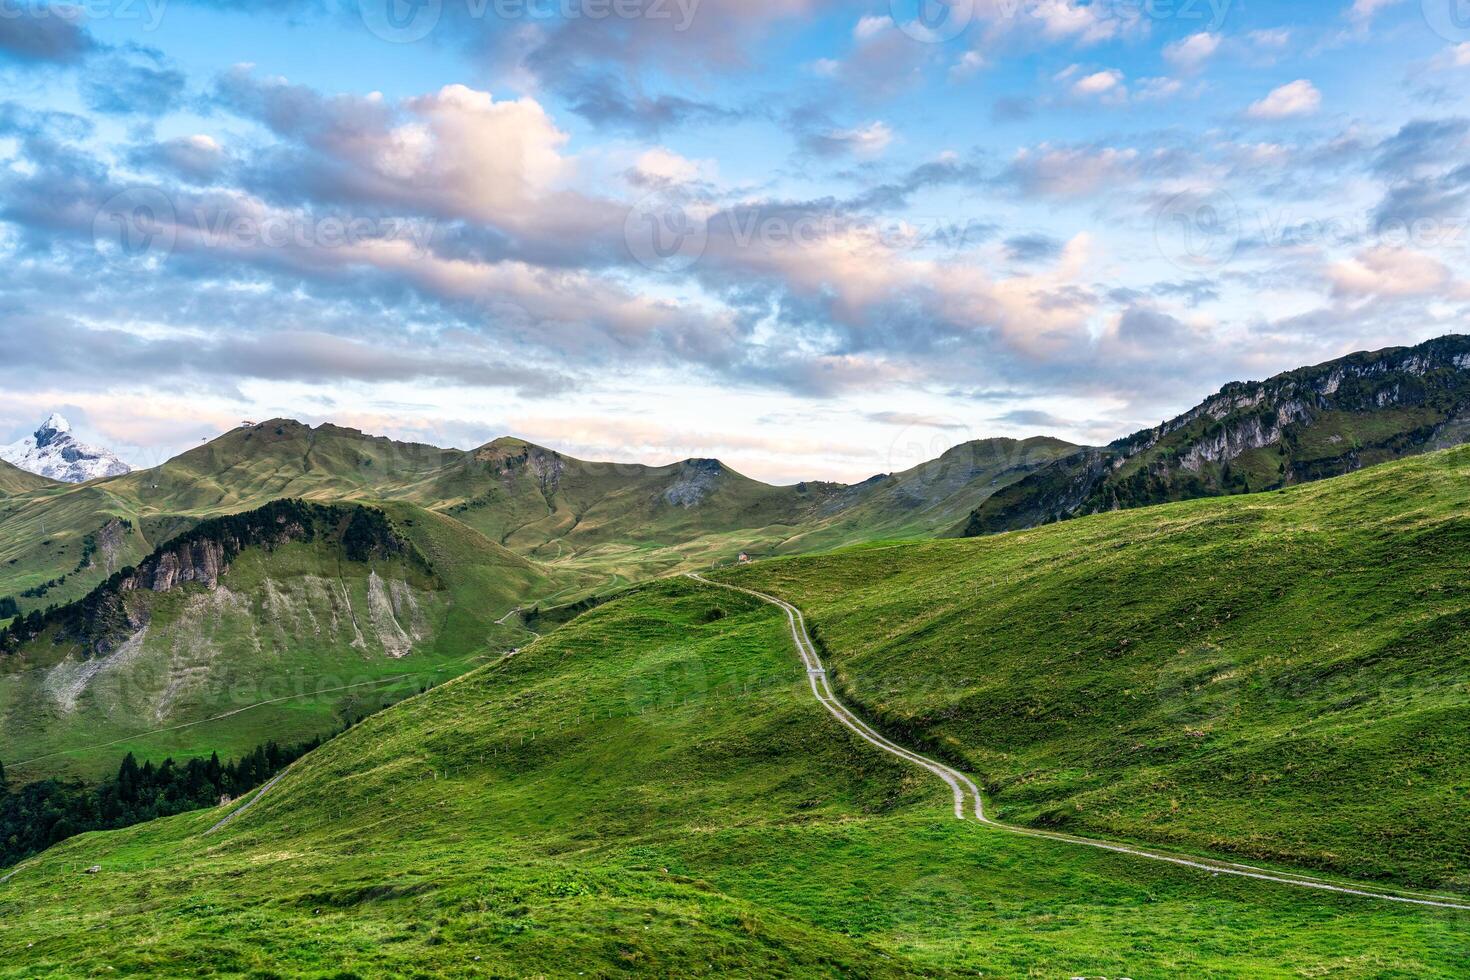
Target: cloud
{"points": [[31, 33], [1458, 56], [1191, 53], [909, 419], [1290, 101], [1106, 85], [947, 171], [1158, 89], [608, 101], [1421, 144], [88, 357], [197, 159], [1390, 272], [1271, 39], [139, 82], [1033, 418], [863, 141], [1032, 248], [660, 167], [1363, 11], [1070, 171]]}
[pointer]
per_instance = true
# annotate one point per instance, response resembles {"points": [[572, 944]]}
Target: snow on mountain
{"points": [[53, 452]]}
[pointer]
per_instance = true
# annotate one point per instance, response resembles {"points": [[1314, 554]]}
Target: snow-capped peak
{"points": [[54, 453]]}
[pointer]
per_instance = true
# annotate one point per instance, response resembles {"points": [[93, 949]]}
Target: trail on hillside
{"points": [[967, 796]]}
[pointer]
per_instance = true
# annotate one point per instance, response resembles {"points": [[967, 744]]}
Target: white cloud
{"points": [[1070, 172], [1158, 89], [1192, 52], [871, 26], [662, 165], [970, 62], [1391, 272], [1290, 101], [1102, 83], [869, 140], [1458, 56], [1363, 11]]}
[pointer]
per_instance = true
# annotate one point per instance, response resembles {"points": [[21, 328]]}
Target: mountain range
{"points": [[511, 529], [54, 453]]}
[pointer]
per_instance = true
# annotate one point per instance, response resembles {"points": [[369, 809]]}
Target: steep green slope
{"points": [[1282, 676], [16, 480], [1304, 425], [927, 499], [653, 791], [279, 623]]}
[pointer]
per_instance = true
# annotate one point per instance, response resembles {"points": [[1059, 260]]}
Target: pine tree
{"points": [[4, 782]]}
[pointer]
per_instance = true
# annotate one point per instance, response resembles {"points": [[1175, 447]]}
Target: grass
{"points": [[1280, 677], [652, 790]]}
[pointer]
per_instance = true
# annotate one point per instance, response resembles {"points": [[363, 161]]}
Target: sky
{"points": [[816, 240]]}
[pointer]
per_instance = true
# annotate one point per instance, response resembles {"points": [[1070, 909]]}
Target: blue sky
{"points": [[814, 239]]}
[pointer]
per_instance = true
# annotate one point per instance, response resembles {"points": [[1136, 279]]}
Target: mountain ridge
{"points": [[1295, 427]]}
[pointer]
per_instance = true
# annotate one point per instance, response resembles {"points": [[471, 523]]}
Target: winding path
{"points": [[969, 804]]}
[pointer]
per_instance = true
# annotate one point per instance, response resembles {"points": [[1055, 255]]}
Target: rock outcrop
{"points": [[1304, 425]]}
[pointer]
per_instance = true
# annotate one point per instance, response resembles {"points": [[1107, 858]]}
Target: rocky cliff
{"points": [[106, 617], [1304, 425]]}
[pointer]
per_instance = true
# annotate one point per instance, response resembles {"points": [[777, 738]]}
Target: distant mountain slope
{"points": [[53, 452], [1304, 425], [1282, 676], [319, 607], [13, 479], [602, 523]]}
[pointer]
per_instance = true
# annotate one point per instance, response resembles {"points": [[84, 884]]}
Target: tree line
{"points": [[42, 814]]}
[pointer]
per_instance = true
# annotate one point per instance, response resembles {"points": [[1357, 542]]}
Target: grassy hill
{"points": [[16, 480], [1304, 425], [218, 643], [652, 790], [1280, 676]]}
